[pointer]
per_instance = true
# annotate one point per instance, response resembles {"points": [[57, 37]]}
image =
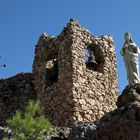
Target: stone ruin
{"points": [[71, 88]]}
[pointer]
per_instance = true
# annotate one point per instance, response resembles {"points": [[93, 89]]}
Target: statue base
{"points": [[129, 94]]}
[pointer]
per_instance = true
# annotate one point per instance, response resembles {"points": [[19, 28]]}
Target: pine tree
{"points": [[31, 124]]}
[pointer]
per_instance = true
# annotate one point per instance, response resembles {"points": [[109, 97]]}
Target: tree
{"points": [[31, 124]]}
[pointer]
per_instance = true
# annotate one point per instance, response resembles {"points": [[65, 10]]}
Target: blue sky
{"points": [[22, 21]]}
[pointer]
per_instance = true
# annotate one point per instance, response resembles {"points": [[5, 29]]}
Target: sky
{"points": [[22, 22]]}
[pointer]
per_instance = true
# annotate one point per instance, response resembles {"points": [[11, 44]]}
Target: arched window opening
{"points": [[51, 71], [94, 58], [90, 60]]}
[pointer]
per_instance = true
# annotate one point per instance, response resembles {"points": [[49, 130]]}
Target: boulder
{"points": [[129, 94], [83, 130]]}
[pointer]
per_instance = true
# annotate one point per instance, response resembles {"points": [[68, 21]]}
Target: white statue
{"points": [[130, 53]]}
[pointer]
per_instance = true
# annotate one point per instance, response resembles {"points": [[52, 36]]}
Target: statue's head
{"points": [[128, 37]]}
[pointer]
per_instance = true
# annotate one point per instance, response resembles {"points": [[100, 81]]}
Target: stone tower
{"points": [[71, 88]]}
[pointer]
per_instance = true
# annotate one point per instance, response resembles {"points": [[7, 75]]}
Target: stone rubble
{"points": [[61, 134], [83, 131], [6, 132]]}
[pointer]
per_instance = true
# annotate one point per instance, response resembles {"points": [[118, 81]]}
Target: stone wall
{"points": [[15, 92], [70, 88]]}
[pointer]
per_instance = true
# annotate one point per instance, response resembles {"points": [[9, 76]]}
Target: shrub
{"points": [[30, 124]]}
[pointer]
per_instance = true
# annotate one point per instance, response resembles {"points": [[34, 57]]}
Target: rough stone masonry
{"points": [[71, 88], [15, 92]]}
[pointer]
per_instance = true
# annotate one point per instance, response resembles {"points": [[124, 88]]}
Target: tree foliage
{"points": [[31, 124]]}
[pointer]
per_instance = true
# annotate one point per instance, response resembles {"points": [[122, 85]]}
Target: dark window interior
{"points": [[94, 58], [52, 72]]}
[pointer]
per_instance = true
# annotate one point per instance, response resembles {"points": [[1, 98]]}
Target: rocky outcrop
{"points": [[15, 92], [121, 124], [124, 122], [129, 94]]}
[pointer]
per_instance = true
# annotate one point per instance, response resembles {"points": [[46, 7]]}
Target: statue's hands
{"points": [[135, 50], [129, 51]]}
